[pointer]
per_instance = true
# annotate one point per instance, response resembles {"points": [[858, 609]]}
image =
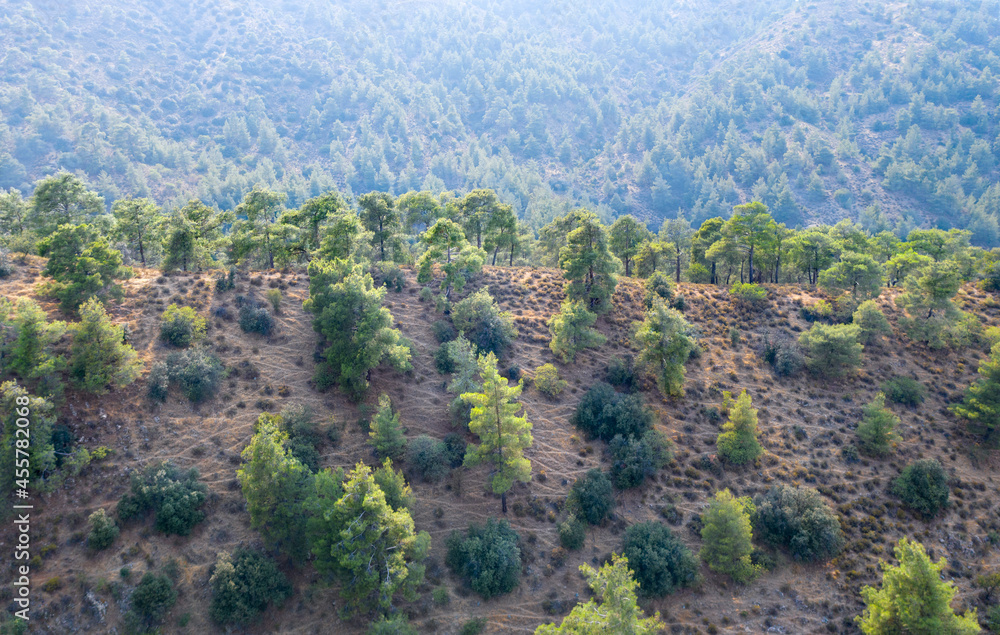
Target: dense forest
{"points": [[885, 113]]}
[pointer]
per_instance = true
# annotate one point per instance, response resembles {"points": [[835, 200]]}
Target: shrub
{"points": [[181, 326], [592, 496], [656, 286], [443, 361], [782, 353], [634, 459], [392, 625], [488, 558], [103, 530], [727, 537], [454, 445], [174, 496], [621, 372], [428, 457], [877, 430], [604, 413], [832, 350], [904, 390], [870, 319], [158, 382], [274, 298], [444, 332], [923, 487], [256, 319], [572, 330], [799, 519], [243, 584], [385, 432], [225, 282], [196, 371], [748, 294], [738, 441], [6, 268], [474, 626], [391, 276], [484, 324], [661, 562], [153, 598], [547, 380], [572, 533]]}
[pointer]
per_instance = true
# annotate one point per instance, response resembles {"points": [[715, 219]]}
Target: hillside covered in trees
{"points": [[883, 112]]}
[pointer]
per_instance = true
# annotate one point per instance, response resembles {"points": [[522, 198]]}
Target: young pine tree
{"points": [[727, 536], [503, 435], [588, 265], [572, 331], [738, 441], [99, 357], [981, 407], [385, 432], [914, 598], [665, 340], [877, 430]]}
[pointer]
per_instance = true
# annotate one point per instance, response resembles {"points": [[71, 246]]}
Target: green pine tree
{"points": [[99, 357], [738, 443], [727, 536], [572, 331]]}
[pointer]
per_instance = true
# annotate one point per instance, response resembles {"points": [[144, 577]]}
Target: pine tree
{"points": [[625, 238], [832, 350], [14, 399], [275, 485], [665, 341], [81, 265], [913, 598], [464, 379], [446, 246], [385, 432], [872, 322], [99, 356], [137, 221], [380, 216], [727, 536], [502, 232], [858, 274], [572, 331], [503, 435], [588, 265], [31, 356], [981, 407], [193, 236], [62, 199], [618, 612], [877, 430], [257, 236], [313, 214], [738, 441]]}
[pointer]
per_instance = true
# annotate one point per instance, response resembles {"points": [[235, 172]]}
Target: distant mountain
{"points": [[882, 112]]}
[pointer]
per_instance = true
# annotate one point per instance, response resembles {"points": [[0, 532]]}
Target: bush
{"points": [[181, 326], [153, 598], [832, 350], [158, 382], [390, 276], [482, 322], [6, 268], [604, 413], [444, 332], [443, 361], [923, 487], [243, 584], [592, 496], [572, 533], [657, 286], [225, 282], [475, 626], [748, 294], [870, 319], [621, 372], [174, 496], [634, 459], [488, 558], [385, 432], [103, 530], [782, 353], [392, 625], [904, 390], [429, 458], [256, 319], [454, 445], [274, 298], [877, 429], [661, 562], [547, 380], [196, 371], [799, 519]]}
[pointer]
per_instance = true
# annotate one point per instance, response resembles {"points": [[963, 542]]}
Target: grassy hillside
{"points": [[884, 112], [805, 425]]}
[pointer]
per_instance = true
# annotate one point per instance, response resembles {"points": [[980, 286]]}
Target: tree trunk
{"points": [[678, 276], [503, 502], [715, 279], [751, 263], [142, 255], [495, 252]]}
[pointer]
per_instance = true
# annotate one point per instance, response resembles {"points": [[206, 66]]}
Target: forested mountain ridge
{"points": [[881, 112]]}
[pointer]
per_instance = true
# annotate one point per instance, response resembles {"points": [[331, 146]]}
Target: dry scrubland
{"points": [[804, 424]]}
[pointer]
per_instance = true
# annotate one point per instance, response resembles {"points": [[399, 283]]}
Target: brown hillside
{"points": [[804, 424]]}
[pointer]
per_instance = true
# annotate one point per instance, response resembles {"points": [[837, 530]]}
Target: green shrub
{"points": [[604, 413], [592, 496], [475, 626], [923, 487], [428, 457], [454, 444], [226, 282], [877, 430], [547, 380], [484, 324], [572, 533], [657, 286], [662, 563], [103, 530], [488, 558], [174, 496], [243, 584], [274, 298], [158, 382], [181, 326], [443, 361], [397, 624], [904, 390], [871, 321], [832, 350], [738, 441], [621, 372], [197, 372], [783, 354], [385, 432], [799, 520], [440, 596], [256, 319], [634, 459], [748, 294], [444, 332], [6, 268], [153, 598]]}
